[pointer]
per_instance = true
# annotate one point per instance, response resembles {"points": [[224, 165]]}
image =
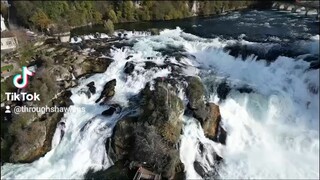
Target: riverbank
{"points": [[161, 24]]}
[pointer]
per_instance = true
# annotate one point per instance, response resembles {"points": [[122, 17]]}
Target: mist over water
{"points": [[272, 132]]}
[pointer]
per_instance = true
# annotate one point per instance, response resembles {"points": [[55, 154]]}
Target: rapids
{"points": [[272, 132]]}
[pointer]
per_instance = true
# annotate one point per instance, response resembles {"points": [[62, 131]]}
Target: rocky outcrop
{"points": [[128, 67], [89, 90], [108, 91], [207, 113], [114, 108], [152, 137], [28, 136], [195, 93], [211, 123], [223, 90], [92, 88], [35, 140], [91, 66]]}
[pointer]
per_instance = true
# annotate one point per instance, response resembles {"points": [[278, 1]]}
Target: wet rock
{"points": [[108, 91], [211, 123], [245, 90], [149, 65], [154, 31], [28, 142], [221, 136], [86, 92], [200, 113], [128, 67], [69, 84], [199, 168], [151, 138], [34, 141], [92, 88], [130, 56], [310, 58], [195, 93], [162, 108], [90, 66], [109, 111], [314, 65], [122, 139], [223, 90]]}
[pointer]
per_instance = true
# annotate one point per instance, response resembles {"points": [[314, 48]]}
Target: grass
{"points": [[7, 68]]}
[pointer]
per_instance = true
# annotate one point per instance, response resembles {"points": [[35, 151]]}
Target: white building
{"points": [[9, 43]]}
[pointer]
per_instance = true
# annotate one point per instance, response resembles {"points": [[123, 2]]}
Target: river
{"points": [[272, 132]]}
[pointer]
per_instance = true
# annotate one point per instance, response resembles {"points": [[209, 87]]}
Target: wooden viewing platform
{"points": [[144, 174]]}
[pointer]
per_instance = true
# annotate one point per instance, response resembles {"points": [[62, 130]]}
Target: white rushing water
{"points": [[271, 133]]}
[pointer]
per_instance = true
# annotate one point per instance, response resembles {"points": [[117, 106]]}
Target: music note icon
{"points": [[25, 73]]}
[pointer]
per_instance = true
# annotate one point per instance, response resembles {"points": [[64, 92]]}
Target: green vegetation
{"points": [[26, 53], [6, 86], [7, 68], [44, 14], [108, 25]]}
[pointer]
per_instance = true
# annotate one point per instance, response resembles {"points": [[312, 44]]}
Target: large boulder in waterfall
{"points": [[89, 90], [162, 108], [207, 114], [223, 90], [108, 91], [195, 93], [34, 140], [92, 88], [151, 138], [122, 141], [211, 123], [90, 66], [128, 67]]}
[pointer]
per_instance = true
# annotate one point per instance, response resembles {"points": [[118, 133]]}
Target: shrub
{"points": [[108, 25]]}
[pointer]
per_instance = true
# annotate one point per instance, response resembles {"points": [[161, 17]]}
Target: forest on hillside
{"points": [[41, 15]]}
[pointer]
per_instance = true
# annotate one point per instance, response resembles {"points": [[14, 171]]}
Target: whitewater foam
{"points": [[271, 133]]}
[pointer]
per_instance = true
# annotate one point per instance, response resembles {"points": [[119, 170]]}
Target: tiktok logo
{"points": [[24, 77]]}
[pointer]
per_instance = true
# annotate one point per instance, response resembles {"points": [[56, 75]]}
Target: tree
{"points": [[128, 11], [24, 11], [96, 17], [112, 16], [75, 18], [40, 20], [142, 14], [108, 25], [55, 9]]}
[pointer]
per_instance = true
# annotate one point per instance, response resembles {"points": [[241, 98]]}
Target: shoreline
{"points": [[82, 30]]}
